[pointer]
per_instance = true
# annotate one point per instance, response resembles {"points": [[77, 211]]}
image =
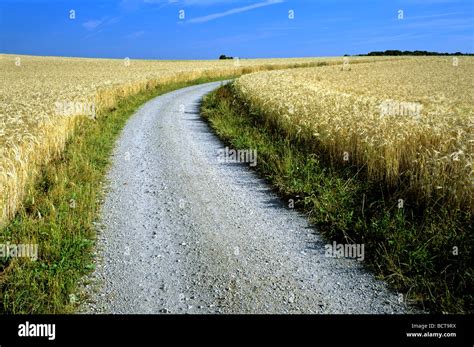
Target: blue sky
{"points": [[153, 29]]}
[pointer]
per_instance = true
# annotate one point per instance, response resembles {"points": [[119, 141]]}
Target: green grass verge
{"points": [[59, 210], [58, 214], [423, 254]]}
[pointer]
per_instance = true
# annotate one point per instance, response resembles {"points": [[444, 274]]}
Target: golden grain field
{"points": [[407, 122], [41, 97]]}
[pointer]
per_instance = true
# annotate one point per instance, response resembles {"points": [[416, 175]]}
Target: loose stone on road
{"points": [[182, 232]]}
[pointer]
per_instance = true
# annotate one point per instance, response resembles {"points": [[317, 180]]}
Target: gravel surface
{"points": [[182, 233]]}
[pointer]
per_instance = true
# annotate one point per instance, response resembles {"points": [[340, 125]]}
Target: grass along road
{"points": [[347, 208], [186, 233], [59, 211]]}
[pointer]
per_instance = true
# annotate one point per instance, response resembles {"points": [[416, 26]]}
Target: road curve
{"points": [[182, 233]]}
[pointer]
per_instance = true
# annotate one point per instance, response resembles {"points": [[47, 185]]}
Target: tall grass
{"points": [[423, 253], [420, 145], [58, 214], [33, 132]]}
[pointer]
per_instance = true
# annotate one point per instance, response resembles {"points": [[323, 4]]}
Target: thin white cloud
{"points": [[213, 16], [193, 2], [92, 24], [135, 4], [432, 16], [95, 23], [135, 34], [113, 20], [428, 2], [96, 26], [92, 34]]}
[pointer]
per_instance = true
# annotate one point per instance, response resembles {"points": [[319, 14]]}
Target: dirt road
{"points": [[185, 233]]}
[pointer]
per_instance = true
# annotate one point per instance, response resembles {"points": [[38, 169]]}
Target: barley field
{"points": [[407, 123], [41, 98]]}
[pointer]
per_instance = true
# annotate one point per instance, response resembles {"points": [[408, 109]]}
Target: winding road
{"points": [[182, 232]]}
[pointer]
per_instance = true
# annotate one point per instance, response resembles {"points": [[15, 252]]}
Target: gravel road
{"points": [[183, 233]]}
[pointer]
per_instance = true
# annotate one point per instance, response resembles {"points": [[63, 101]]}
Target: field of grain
{"points": [[407, 123], [40, 98]]}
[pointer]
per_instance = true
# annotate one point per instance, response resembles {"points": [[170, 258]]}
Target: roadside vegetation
{"points": [[59, 211], [422, 250], [52, 164], [41, 97]]}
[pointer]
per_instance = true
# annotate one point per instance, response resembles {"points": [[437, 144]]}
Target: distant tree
{"points": [[416, 53], [223, 57]]}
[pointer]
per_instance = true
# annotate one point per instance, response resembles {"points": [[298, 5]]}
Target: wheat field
{"points": [[407, 123], [41, 98]]}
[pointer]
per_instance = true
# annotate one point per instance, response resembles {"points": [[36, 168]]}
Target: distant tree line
{"points": [[397, 52], [223, 57]]}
